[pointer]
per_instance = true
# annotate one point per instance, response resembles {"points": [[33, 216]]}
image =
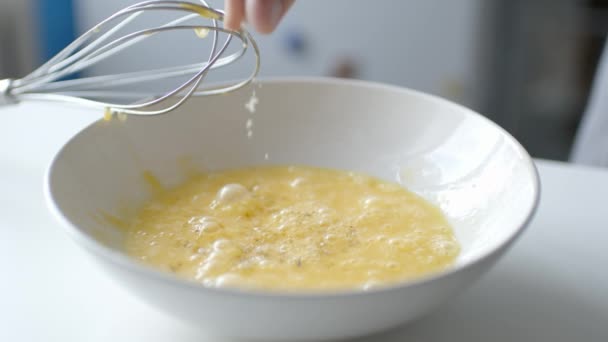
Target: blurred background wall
{"points": [[526, 64], [18, 41]]}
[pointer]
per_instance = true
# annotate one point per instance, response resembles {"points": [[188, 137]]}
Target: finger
{"points": [[235, 13], [265, 15], [286, 5]]}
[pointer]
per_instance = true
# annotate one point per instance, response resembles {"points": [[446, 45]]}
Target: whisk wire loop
{"points": [[48, 82]]}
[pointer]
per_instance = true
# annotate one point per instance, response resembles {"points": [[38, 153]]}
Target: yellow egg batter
{"points": [[292, 228]]}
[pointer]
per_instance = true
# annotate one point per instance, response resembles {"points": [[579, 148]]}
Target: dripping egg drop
{"points": [[201, 32]]}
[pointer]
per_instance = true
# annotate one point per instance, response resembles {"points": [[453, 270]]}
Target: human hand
{"points": [[263, 15]]}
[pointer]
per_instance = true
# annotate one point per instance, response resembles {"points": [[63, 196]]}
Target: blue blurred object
{"points": [[56, 28], [295, 42]]}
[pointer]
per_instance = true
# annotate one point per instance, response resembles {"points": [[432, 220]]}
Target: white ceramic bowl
{"points": [[479, 175]]}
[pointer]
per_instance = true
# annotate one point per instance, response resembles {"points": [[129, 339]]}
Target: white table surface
{"points": [[551, 286]]}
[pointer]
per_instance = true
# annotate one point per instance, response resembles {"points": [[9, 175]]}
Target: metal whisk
{"points": [[48, 82]]}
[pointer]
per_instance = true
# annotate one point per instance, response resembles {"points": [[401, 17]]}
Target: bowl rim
{"points": [[129, 264]]}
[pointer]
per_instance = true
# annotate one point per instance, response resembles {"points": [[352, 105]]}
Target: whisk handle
{"points": [[5, 93]]}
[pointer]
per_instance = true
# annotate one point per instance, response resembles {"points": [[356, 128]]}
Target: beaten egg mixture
{"points": [[291, 228]]}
